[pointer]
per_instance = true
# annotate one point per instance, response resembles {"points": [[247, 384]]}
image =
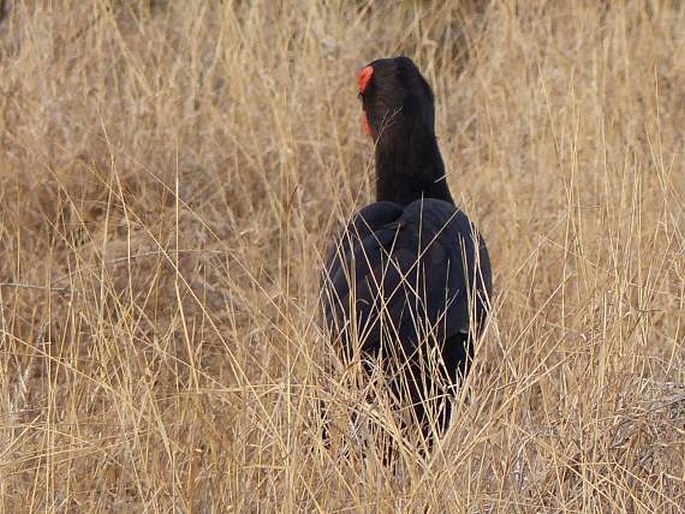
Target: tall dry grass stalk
{"points": [[171, 173]]}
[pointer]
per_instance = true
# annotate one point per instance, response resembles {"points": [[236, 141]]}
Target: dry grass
{"points": [[170, 175]]}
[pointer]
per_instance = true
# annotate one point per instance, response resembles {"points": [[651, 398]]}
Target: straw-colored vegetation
{"points": [[172, 172]]}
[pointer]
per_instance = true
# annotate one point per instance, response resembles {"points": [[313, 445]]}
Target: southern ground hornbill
{"points": [[407, 285]]}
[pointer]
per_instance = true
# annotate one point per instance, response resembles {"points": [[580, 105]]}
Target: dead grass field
{"points": [[171, 173]]}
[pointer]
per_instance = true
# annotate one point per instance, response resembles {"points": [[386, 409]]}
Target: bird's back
{"points": [[402, 276]]}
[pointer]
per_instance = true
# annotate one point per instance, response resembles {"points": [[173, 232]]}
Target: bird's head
{"points": [[396, 98]]}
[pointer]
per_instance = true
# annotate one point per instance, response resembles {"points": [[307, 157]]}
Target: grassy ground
{"points": [[171, 173]]}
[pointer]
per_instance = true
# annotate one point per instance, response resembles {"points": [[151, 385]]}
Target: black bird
{"points": [[407, 284]]}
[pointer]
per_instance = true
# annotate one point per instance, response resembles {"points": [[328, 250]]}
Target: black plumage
{"points": [[407, 284]]}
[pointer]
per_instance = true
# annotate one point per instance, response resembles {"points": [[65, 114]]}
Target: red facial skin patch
{"points": [[364, 78], [363, 81]]}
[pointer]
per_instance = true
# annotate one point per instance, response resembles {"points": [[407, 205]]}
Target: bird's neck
{"points": [[409, 167]]}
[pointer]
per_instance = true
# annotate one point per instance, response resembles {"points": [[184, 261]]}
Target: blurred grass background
{"points": [[171, 174]]}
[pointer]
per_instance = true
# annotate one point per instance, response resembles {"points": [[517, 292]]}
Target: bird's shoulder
{"points": [[381, 222], [432, 214]]}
